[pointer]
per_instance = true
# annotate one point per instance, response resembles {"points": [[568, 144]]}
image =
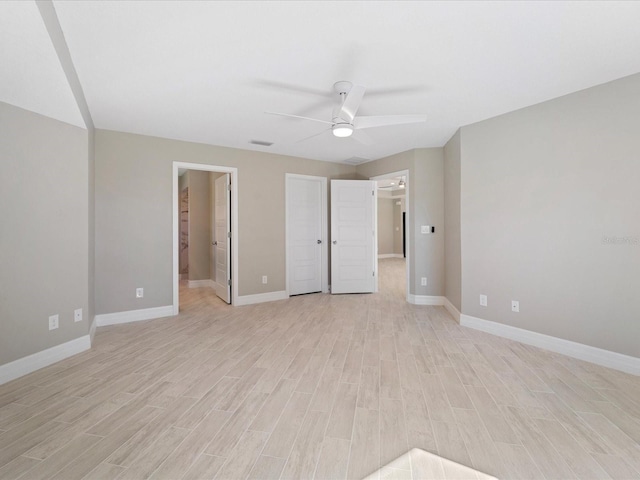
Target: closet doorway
{"points": [[205, 230]]}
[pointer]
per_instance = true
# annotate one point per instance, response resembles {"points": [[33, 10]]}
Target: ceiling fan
{"points": [[392, 185], [344, 120]]}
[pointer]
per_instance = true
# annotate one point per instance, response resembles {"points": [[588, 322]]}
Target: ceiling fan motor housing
{"points": [[342, 87]]}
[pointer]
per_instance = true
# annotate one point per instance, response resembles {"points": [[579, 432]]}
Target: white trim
{"points": [[133, 315], [426, 300], [606, 358], [36, 361], [325, 236], [202, 283], [409, 268], [261, 298], [235, 271], [376, 283], [455, 313], [390, 255]]}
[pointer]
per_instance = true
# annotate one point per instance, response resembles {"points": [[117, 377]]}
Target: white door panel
{"points": [[353, 255], [305, 234], [222, 240]]}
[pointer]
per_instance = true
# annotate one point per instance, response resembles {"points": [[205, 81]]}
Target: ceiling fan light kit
{"points": [[342, 130]]}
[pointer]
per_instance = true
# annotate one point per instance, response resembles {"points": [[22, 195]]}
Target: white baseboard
{"points": [[202, 283], [36, 361], [390, 255], [455, 313], [261, 298], [436, 301], [133, 315], [426, 300], [606, 358]]}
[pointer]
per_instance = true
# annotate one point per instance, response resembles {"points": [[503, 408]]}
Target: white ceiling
{"points": [[31, 76], [207, 71]]}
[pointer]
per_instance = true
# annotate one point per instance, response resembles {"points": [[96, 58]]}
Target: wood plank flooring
{"points": [[317, 386]]}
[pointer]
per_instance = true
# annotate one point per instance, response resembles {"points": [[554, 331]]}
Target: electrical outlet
{"points": [[424, 229], [53, 322], [483, 300], [77, 315], [515, 306], [139, 292], [264, 279], [423, 281]]}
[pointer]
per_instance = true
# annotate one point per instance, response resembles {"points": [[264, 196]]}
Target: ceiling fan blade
{"points": [[396, 90], [312, 107], [351, 104], [384, 120], [312, 136], [361, 137], [298, 116], [277, 85]]}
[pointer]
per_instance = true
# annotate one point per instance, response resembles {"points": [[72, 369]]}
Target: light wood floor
{"points": [[316, 386]]}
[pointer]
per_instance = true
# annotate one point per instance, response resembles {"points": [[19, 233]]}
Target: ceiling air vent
{"points": [[262, 143]]}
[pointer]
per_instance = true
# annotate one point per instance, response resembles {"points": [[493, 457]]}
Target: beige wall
{"points": [[134, 215], [385, 225], [45, 232], [543, 188], [452, 249], [199, 225], [91, 227], [426, 199]]}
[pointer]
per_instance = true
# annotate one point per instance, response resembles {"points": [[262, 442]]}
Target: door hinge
{"points": [[373, 274], [229, 186], [228, 234], [229, 282], [373, 193]]}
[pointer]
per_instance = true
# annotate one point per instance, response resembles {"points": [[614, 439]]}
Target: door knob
{"points": [[335, 242], [214, 243], [319, 242]]}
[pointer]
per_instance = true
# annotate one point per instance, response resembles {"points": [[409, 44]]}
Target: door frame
{"points": [[325, 235], [400, 173], [222, 185], [176, 227]]}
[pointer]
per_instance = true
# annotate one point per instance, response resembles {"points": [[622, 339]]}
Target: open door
{"points": [[306, 253], [353, 236], [222, 240]]}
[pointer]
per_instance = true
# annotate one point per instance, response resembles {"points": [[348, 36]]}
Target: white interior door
{"points": [[222, 240], [353, 236], [306, 197]]}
